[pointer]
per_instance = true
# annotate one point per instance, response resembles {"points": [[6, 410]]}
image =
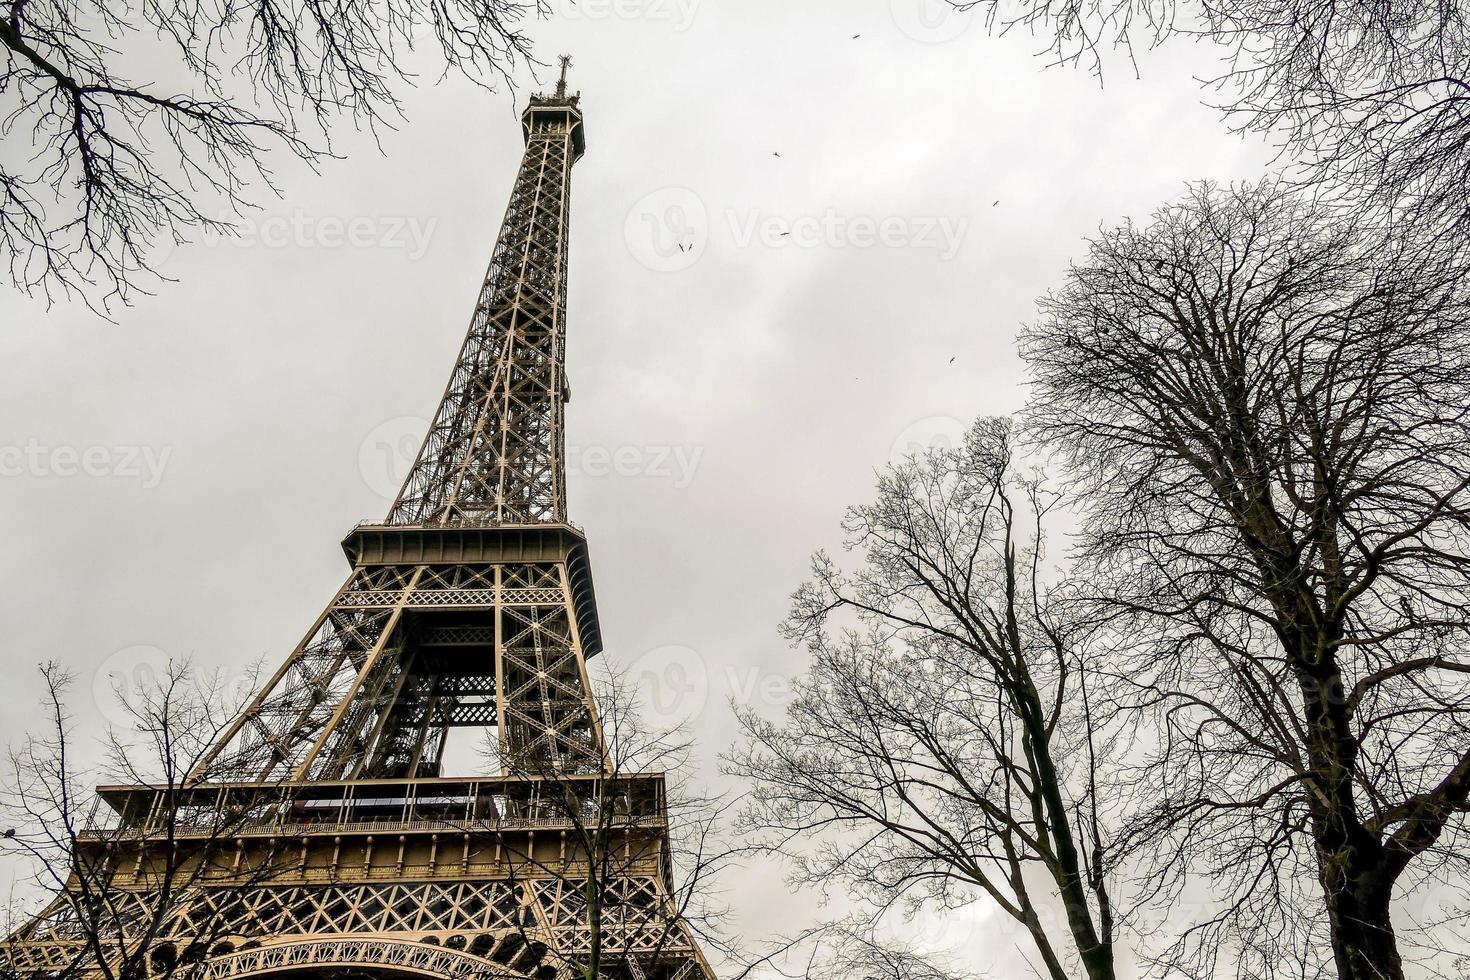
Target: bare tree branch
{"points": [[116, 166], [940, 748], [123, 866]]}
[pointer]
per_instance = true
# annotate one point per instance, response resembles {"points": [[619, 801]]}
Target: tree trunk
{"points": [[1358, 905], [1096, 952], [1357, 884]]}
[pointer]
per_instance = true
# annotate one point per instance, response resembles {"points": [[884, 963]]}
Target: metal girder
{"points": [[471, 604]]}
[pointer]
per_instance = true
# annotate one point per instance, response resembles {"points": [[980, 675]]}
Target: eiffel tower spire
{"points": [[495, 451], [561, 83], [470, 606]]}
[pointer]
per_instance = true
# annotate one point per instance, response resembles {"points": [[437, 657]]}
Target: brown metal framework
{"points": [[470, 605]]}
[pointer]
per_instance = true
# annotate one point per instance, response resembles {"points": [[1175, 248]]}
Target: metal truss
{"points": [[405, 652], [494, 453], [483, 876], [471, 604]]}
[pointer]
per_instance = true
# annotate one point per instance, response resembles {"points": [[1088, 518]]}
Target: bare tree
{"points": [[628, 880], [940, 747], [1370, 101], [124, 864], [105, 164], [1267, 415]]}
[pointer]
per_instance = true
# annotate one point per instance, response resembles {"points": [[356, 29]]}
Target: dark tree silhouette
{"points": [[101, 165], [940, 748], [123, 863], [1267, 413], [1371, 101]]}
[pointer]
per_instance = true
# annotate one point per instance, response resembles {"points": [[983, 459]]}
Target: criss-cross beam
{"points": [[328, 835], [494, 453]]}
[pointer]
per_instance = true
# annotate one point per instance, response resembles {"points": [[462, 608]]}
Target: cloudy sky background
{"points": [[729, 399]]}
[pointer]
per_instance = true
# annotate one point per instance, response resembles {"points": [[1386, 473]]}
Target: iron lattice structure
{"points": [[325, 837]]}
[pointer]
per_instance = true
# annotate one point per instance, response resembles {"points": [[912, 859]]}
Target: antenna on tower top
{"points": [[561, 83]]}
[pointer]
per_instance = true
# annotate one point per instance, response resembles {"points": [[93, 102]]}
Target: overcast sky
{"points": [[729, 399]]}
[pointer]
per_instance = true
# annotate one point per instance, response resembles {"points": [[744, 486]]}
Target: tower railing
{"points": [[452, 803]]}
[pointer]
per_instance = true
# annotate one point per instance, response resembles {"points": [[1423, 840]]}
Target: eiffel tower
{"points": [[337, 846]]}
